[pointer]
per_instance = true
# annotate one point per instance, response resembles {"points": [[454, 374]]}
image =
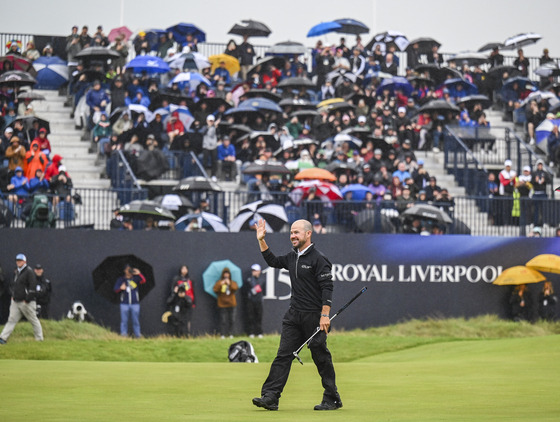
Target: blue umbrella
{"points": [[452, 84], [214, 271], [261, 104], [153, 36], [323, 28], [358, 191], [523, 82], [181, 30], [52, 72], [543, 131], [148, 64], [241, 110], [395, 83]]}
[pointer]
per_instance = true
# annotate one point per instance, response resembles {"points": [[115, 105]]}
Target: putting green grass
{"points": [[511, 379]]}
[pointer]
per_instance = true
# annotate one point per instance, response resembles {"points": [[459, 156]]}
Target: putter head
{"points": [[298, 358]]}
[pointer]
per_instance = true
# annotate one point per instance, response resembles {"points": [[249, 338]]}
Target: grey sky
{"points": [[459, 26]]}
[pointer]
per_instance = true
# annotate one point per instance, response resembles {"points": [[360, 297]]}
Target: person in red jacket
{"points": [[52, 168], [35, 160], [44, 144]]}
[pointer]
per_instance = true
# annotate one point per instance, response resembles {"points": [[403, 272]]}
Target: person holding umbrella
{"points": [[225, 288], [312, 287], [520, 303], [127, 286]]}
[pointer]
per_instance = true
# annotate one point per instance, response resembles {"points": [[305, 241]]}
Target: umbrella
{"points": [[296, 82], [266, 167], [428, 212], [260, 65], [111, 268], [452, 84], [143, 209], [30, 95], [306, 114], [181, 30], [437, 73], [268, 137], [298, 103], [177, 204], [547, 69], [193, 78], [304, 141], [346, 137], [539, 96], [153, 36], [521, 40], [394, 84], [547, 263], [315, 173], [185, 115], [197, 184], [470, 100], [342, 166], [490, 46], [351, 26], [214, 271], [330, 101], [438, 106], [327, 192], [341, 106], [232, 64], [16, 78], [264, 93], [543, 130], [388, 38], [273, 214], [523, 82], [207, 221], [52, 72], [261, 104], [186, 61], [250, 28], [28, 122], [358, 191], [212, 104], [497, 71], [425, 44], [242, 111], [323, 28], [287, 48], [148, 64], [470, 58], [17, 63], [121, 31], [517, 275], [97, 53]]}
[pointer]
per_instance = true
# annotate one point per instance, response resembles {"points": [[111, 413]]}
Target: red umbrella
{"points": [[17, 63], [327, 192], [121, 30]]}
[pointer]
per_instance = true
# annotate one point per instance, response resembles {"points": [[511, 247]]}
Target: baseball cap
{"points": [[256, 267], [361, 119], [210, 117], [401, 110], [38, 267], [9, 130], [21, 257], [527, 168], [507, 163]]}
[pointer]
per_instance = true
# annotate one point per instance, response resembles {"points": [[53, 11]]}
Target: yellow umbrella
{"points": [[548, 263], [518, 275], [330, 101], [232, 64]]}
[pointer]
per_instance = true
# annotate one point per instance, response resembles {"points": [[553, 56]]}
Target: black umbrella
{"points": [[28, 122], [417, 80], [97, 53], [287, 48], [268, 137], [212, 104], [234, 130], [296, 82], [490, 46], [298, 103], [263, 93], [90, 74], [274, 215], [111, 268], [439, 106], [16, 78], [497, 71], [428, 212], [143, 209], [341, 166], [177, 204], [250, 28], [425, 44], [470, 58], [437, 73], [176, 98], [266, 167], [355, 99], [305, 114], [370, 221], [197, 183], [351, 26], [470, 100], [389, 38], [260, 65]]}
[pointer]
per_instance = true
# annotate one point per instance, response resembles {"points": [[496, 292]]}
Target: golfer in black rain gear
{"points": [[310, 305]]}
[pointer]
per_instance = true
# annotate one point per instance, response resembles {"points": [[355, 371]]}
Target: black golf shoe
{"points": [[329, 405], [266, 402]]}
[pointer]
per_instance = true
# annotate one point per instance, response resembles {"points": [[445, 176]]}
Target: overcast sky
{"points": [[459, 26]]}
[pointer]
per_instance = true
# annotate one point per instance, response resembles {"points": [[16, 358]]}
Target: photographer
{"points": [[180, 305], [127, 285]]}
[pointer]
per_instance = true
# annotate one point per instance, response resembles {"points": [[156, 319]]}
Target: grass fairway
{"points": [[391, 377]]}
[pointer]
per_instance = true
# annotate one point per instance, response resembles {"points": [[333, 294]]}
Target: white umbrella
{"points": [[178, 61], [205, 220], [520, 40], [547, 69]]}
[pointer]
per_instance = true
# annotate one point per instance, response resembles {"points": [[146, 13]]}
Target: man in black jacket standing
{"points": [[23, 301], [310, 305]]}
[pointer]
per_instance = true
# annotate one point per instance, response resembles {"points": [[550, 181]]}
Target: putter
{"points": [[331, 318]]}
